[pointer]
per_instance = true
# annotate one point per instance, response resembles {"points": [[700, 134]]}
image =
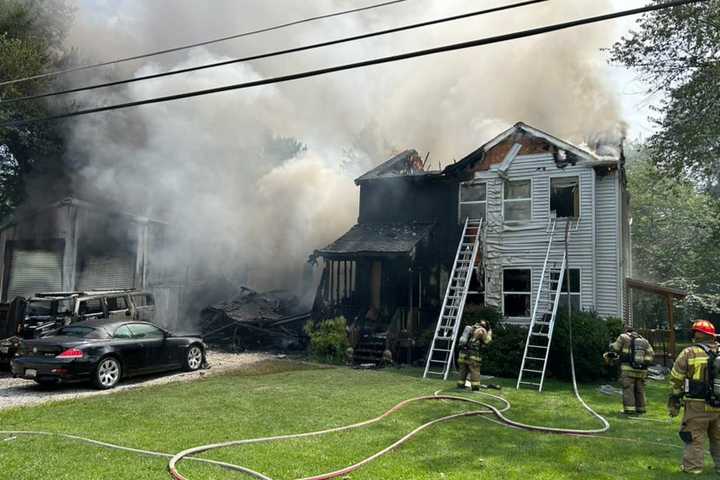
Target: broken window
{"points": [[90, 306], [516, 292], [574, 274], [517, 203], [116, 303], [565, 196], [476, 290], [473, 200]]}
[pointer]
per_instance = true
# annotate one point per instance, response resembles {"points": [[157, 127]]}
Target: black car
{"points": [[104, 352]]}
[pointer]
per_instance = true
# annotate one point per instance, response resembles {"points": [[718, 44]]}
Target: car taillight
{"points": [[71, 353]]}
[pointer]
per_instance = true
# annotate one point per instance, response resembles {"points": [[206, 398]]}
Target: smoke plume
{"points": [[255, 180]]}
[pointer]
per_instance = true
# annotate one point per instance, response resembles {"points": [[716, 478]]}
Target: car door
{"points": [[118, 308], [91, 308], [154, 345], [144, 304], [131, 352]]}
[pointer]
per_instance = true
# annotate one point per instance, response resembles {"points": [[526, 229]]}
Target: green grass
{"points": [[281, 397]]}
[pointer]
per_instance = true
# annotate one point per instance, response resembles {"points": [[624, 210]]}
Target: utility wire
{"points": [[366, 63], [277, 53], [199, 44]]}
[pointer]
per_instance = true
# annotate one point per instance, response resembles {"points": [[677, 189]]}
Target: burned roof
{"points": [[596, 156], [378, 239], [404, 164]]}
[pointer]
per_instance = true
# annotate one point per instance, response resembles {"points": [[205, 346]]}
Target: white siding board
{"points": [[525, 244], [607, 261]]}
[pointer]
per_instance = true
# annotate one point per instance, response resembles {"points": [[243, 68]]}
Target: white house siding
{"points": [[525, 244], [607, 237]]}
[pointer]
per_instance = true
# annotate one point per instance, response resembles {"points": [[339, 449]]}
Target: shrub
{"points": [[591, 336], [502, 357], [473, 314], [328, 339]]}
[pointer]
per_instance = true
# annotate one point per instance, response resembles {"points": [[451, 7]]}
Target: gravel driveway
{"points": [[18, 392]]}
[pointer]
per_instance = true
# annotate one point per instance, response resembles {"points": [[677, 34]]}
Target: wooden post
{"points": [[671, 324]]}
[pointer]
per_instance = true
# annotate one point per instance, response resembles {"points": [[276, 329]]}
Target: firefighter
{"points": [[635, 355], [474, 337], [695, 385]]}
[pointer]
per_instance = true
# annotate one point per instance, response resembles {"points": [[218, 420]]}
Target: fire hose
{"points": [[500, 419]]}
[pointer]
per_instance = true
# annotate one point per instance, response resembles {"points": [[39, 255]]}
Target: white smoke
{"points": [[225, 168]]}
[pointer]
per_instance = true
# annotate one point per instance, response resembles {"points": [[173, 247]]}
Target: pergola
{"points": [[669, 294]]}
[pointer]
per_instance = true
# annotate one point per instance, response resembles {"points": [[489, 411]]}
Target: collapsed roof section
{"points": [[374, 239], [404, 164]]}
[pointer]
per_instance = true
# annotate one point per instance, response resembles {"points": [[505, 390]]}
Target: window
{"points": [[122, 332], [142, 330], [517, 203], [565, 196], [116, 303], [77, 331], [476, 290], [516, 292], [473, 197], [90, 306], [574, 274]]}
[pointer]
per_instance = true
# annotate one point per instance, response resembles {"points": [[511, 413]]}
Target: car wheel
{"points": [[193, 358], [107, 373]]}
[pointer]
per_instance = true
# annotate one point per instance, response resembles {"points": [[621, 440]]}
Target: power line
{"points": [[366, 63], [276, 53], [198, 44]]}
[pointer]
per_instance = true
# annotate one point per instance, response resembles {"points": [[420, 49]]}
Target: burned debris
{"points": [[254, 320]]}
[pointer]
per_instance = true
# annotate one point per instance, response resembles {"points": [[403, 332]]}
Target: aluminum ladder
{"points": [[442, 348], [542, 324]]}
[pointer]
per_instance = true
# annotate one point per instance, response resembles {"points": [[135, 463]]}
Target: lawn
{"points": [[280, 397]]}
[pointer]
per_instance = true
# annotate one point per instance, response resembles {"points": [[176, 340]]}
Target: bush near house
{"points": [[328, 339], [503, 356], [591, 335]]}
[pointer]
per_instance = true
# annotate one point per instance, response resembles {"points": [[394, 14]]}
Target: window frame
{"points": [[511, 200], [126, 326], [577, 294], [125, 299], [580, 190], [530, 293], [478, 292], [472, 202]]}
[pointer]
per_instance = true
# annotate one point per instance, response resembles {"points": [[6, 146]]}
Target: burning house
{"points": [[390, 272], [73, 245]]}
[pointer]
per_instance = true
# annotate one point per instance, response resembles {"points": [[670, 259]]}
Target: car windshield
{"points": [[38, 308], [82, 331]]}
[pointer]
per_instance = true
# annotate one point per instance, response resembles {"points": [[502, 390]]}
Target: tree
{"points": [[31, 34], [674, 233], [677, 51]]}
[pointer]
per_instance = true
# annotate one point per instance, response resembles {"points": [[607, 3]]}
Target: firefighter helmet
{"points": [[704, 326]]}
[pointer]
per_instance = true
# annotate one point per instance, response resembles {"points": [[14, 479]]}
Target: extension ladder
{"points": [[542, 323], [442, 348]]}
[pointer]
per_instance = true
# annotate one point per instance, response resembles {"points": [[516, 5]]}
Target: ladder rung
{"points": [[530, 383], [531, 370], [435, 373], [538, 334], [535, 359], [438, 361], [538, 346], [440, 350]]}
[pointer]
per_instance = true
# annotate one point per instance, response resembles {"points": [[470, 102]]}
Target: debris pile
{"points": [[251, 320]]}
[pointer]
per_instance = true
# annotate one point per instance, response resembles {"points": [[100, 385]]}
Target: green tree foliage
{"points": [[677, 51], [675, 233], [31, 35]]}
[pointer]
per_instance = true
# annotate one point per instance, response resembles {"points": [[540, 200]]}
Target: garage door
{"points": [[102, 272], [33, 271]]}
